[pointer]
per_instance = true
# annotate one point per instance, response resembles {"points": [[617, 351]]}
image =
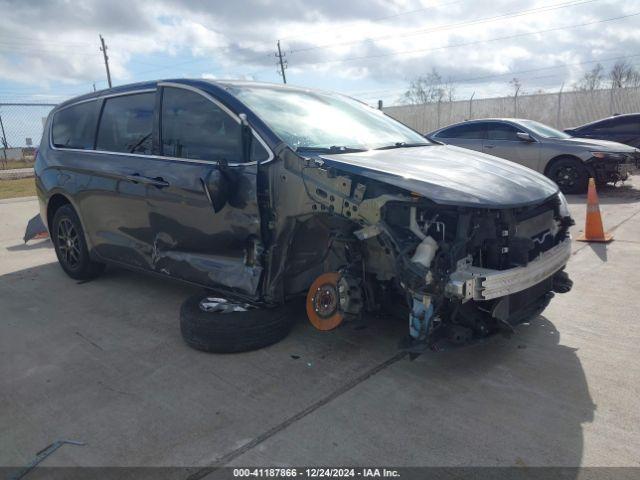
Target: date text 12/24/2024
{"points": [[316, 472]]}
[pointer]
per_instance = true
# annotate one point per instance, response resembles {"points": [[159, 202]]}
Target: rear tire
{"points": [[70, 245], [570, 174], [232, 332]]}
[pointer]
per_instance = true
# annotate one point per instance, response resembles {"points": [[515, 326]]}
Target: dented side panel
{"points": [[175, 230], [196, 239]]}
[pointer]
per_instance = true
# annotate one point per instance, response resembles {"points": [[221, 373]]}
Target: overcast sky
{"points": [[367, 48]]}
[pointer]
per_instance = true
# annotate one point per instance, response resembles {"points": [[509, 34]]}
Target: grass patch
{"points": [[14, 164], [22, 187]]}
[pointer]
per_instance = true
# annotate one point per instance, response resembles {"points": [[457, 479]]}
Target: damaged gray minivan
{"points": [[263, 193]]}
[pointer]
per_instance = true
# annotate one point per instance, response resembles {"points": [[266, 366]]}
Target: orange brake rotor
{"points": [[323, 307]]}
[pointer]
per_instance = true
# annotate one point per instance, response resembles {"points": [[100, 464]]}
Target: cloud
{"points": [[359, 41]]}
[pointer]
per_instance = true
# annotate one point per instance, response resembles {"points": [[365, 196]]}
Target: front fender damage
{"points": [[462, 273]]}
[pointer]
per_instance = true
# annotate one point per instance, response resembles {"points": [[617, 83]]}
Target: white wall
{"points": [[565, 110]]}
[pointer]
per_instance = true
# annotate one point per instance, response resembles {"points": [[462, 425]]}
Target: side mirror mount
{"points": [[525, 137], [246, 138]]}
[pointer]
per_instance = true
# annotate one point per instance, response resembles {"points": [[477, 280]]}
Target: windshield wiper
{"points": [[332, 149], [403, 145]]}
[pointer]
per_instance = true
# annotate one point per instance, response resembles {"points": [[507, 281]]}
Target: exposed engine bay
{"points": [[353, 244]]}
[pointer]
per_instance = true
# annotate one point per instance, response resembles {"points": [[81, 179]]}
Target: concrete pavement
{"points": [[103, 362], [16, 173]]}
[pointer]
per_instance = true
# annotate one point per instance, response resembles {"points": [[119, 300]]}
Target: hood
{"points": [[450, 175], [593, 144]]}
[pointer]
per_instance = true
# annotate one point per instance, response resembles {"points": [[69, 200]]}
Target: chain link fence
{"points": [[560, 109], [21, 126]]}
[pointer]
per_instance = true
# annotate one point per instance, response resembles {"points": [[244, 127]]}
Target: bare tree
{"points": [[429, 88], [623, 74], [449, 90], [591, 80], [516, 84]]}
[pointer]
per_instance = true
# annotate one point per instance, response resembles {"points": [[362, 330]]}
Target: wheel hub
{"points": [[325, 300], [67, 243], [567, 176]]}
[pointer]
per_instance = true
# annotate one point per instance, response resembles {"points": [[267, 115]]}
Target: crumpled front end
{"points": [[613, 167], [458, 273], [485, 271]]}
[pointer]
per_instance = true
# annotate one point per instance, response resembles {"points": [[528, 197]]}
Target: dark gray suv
{"points": [[264, 192]]}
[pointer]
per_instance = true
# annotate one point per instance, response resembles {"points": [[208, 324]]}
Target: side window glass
{"points": [[598, 127], [502, 131], [258, 152], [194, 127], [634, 127], [607, 126], [473, 131], [446, 133], [75, 126], [126, 124], [625, 125]]}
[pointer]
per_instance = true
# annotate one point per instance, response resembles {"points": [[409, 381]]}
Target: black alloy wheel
{"points": [[570, 175], [70, 245]]}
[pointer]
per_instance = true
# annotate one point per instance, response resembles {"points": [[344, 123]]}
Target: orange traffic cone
{"points": [[593, 229]]}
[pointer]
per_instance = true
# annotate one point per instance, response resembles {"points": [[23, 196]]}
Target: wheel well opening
{"points": [[55, 202], [317, 245]]}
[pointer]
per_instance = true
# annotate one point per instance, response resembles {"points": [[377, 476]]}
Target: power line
{"points": [[449, 26], [26, 49], [33, 40], [373, 93], [465, 44], [200, 60], [400, 91], [520, 72], [378, 19], [39, 44]]}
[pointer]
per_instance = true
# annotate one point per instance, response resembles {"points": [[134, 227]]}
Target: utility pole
{"points": [[283, 64], [103, 48]]}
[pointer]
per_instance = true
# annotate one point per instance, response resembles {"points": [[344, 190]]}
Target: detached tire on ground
{"points": [[230, 332]]}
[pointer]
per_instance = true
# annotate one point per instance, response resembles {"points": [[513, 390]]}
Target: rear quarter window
{"points": [[611, 126], [75, 126], [621, 125], [468, 131]]}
